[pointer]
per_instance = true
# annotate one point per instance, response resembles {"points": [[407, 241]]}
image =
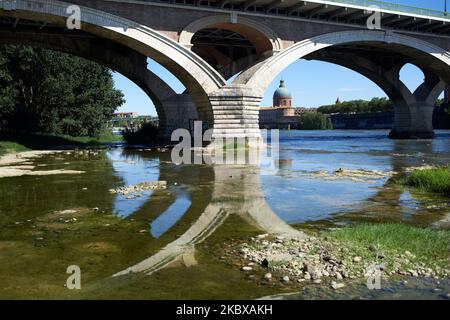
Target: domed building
{"points": [[281, 115], [282, 96]]}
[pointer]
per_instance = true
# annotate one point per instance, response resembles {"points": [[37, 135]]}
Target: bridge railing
{"points": [[395, 7]]}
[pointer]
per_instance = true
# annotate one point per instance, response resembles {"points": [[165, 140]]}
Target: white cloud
{"points": [[350, 89]]}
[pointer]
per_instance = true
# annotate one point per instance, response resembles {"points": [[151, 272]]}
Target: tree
{"points": [[54, 93], [314, 121], [358, 106]]}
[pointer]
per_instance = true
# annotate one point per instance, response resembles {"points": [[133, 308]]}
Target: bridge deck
{"points": [[355, 12]]}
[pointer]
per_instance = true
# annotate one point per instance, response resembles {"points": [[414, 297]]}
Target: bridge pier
{"points": [[236, 113], [416, 122], [414, 111], [179, 112]]}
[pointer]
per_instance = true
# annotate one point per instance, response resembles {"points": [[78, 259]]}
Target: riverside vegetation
{"points": [[345, 254], [353, 252], [435, 180], [49, 99]]}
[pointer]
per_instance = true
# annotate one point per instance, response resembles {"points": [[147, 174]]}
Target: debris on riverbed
{"points": [[357, 175], [424, 167], [18, 164], [18, 171], [316, 259], [133, 191], [21, 157]]}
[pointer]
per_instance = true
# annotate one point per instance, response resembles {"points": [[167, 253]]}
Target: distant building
{"points": [[300, 110], [130, 120], [125, 115], [281, 115]]}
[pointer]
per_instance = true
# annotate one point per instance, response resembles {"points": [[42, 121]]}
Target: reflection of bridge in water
{"points": [[233, 190], [236, 190]]}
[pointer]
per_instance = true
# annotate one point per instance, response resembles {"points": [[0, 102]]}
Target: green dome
{"points": [[282, 92]]}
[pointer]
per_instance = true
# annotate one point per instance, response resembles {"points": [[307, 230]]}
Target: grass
{"points": [[435, 180], [427, 244], [10, 143]]}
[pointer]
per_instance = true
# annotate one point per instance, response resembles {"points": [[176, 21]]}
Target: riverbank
{"points": [[339, 256], [436, 180], [10, 143]]}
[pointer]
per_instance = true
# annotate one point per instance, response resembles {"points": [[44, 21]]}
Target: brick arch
{"points": [[127, 62], [198, 77], [260, 75], [261, 36]]}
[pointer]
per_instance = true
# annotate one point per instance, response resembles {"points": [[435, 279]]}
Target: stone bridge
{"points": [[204, 43]]}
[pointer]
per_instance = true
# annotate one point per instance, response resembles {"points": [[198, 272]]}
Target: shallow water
{"points": [[202, 207]]}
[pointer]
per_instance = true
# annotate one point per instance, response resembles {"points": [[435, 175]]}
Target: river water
{"points": [[49, 222]]}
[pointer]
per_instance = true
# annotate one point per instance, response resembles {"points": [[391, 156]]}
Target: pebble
{"points": [[336, 285], [413, 273], [357, 259], [338, 276], [307, 276], [285, 279], [372, 248], [317, 281], [268, 276], [246, 268]]}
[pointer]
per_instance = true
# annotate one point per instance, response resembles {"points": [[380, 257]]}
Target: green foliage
{"points": [[431, 180], [314, 121], [359, 106], [425, 243], [42, 91], [146, 134], [11, 143]]}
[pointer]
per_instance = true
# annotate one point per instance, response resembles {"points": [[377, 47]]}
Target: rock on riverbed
{"points": [[316, 259], [143, 186]]}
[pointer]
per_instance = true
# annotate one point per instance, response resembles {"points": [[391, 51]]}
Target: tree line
{"points": [[358, 106], [320, 121], [43, 91]]}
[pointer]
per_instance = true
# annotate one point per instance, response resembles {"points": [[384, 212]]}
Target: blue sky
{"points": [[312, 83]]}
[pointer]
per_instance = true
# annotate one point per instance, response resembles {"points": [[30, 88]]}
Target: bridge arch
{"points": [[127, 62], [197, 76], [230, 44], [413, 110], [263, 38], [260, 75]]}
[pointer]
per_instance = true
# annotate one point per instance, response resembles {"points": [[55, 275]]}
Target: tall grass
{"points": [[431, 180], [425, 243], [10, 143]]}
